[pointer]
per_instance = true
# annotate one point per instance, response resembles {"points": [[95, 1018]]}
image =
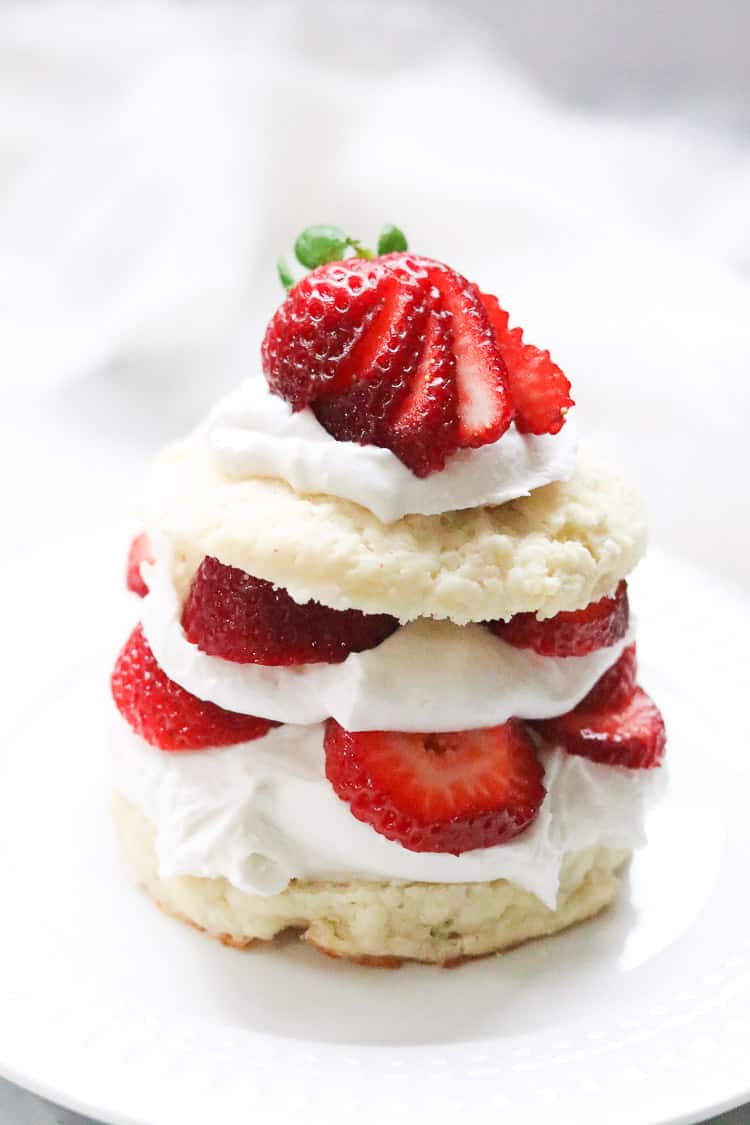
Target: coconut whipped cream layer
{"points": [[263, 813], [253, 433], [428, 675]]}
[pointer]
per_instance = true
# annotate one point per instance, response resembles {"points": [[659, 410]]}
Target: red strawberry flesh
{"points": [[574, 633], [140, 551], [438, 792], [616, 686], [423, 429], [631, 734], [231, 614], [484, 407], [166, 715], [538, 388]]}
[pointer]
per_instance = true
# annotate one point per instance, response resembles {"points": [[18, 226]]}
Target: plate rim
{"points": [[69, 1093]]}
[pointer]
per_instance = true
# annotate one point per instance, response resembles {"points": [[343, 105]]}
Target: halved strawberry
{"points": [[166, 715], [573, 633], [357, 341], [229, 613], [539, 389], [629, 734], [438, 792], [616, 686], [140, 551]]}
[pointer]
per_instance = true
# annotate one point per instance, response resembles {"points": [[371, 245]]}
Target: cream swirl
{"points": [[252, 432], [263, 813], [428, 675]]}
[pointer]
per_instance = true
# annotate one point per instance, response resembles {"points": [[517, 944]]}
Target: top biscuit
{"points": [[560, 548]]}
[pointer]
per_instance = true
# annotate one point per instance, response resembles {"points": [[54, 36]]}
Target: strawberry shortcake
{"points": [[383, 689]]}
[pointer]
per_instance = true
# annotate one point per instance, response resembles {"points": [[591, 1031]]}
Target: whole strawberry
{"points": [[401, 351]]}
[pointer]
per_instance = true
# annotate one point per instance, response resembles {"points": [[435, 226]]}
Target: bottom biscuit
{"points": [[374, 923]]}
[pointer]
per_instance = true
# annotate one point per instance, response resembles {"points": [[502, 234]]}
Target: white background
{"points": [[587, 161]]}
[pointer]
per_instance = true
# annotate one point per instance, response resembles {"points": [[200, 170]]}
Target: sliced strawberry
{"points": [[484, 407], [629, 734], [574, 633], [313, 331], [438, 792], [392, 334], [358, 342], [616, 686], [375, 375], [539, 389], [422, 432], [166, 715], [140, 551], [229, 613]]}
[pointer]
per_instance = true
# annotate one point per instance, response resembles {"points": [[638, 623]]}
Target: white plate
{"points": [[642, 1016]]}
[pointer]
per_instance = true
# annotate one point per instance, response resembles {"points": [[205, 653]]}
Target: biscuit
{"points": [[565, 545], [377, 923]]}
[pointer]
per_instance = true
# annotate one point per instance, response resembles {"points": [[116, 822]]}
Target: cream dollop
{"points": [[254, 433], [428, 675], [262, 813]]}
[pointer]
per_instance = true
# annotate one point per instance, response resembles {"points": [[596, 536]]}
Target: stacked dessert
{"points": [[383, 690]]}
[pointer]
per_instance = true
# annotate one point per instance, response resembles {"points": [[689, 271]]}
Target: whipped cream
{"points": [[428, 675], [253, 433], [262, 813]]}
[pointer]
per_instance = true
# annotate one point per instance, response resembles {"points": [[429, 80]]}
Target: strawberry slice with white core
{"points": [[484, 407], [140, 551], [539, 389], [615, 688], [438, 792], [423, 429]]}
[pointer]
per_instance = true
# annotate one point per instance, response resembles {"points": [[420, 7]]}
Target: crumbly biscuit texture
{"points": [[560, 548], [376, 923]]}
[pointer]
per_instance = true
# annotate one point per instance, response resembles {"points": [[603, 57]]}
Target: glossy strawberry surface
{"points": [[438, 792], [229, 613], [574, 633], [166, 715]]}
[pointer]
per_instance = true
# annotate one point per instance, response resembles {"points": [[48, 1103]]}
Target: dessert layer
{"points": [[565, 545], [427, 675], [253, 433], [263, 813], [375, 923]]}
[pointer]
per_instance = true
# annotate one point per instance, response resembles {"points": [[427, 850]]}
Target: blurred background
{"points": [[587, 160]]}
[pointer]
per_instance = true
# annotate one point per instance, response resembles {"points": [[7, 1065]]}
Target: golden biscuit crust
{"points": [[375, 923], [560, 548]]}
